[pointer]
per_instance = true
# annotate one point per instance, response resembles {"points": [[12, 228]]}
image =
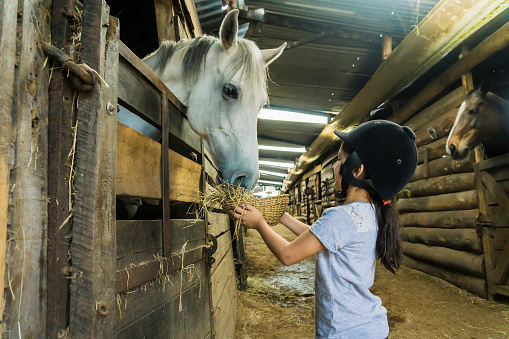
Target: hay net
{"points": [[225, 195]]}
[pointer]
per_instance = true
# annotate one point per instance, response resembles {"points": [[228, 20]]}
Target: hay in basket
{"points": [[226, 195]]}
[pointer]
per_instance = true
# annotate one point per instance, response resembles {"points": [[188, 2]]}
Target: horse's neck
{"points": [[498, 143]]}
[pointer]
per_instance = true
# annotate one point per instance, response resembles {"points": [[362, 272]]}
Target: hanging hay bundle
{"points": [[225, 196]]}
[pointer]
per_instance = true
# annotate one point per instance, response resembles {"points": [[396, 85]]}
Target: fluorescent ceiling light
{"points": [[274, 114], [276, 163], [283, 149], [270, 182], [282, 175]]}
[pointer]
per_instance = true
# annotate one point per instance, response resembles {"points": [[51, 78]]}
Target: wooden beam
{"points": [[315, 26], [443, 166], [304, 41], [484, 50], [386, 47], [472, 284], [413, 57], [7, 63], [454, 260], [164, 20], [135, 276], [439, 185], [443, 202], [93, 245], [441, 219], [458, 239]]}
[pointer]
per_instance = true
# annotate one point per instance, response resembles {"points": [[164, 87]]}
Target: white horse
{"points": [[223, 83]]}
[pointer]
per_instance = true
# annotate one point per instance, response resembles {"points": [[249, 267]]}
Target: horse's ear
{"points": [[269, 55], [229, 29], [485, 86]]}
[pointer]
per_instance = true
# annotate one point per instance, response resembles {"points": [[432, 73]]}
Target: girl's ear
{"points": [[359, 172]]}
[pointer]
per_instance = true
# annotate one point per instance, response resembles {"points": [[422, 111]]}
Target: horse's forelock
{"points": [[195, 56], [249, 61]]}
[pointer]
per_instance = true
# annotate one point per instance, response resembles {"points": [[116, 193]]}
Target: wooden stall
{"points": [[447, 229], [73, 269], [454, 213]]}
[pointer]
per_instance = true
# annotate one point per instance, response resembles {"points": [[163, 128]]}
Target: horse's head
{"points": [[476, 121], [223, 83]]}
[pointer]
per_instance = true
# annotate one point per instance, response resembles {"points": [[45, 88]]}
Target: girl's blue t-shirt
{"points": [[345, 270]]}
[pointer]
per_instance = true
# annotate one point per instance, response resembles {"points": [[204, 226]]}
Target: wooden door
{"points": [[492, 181]]}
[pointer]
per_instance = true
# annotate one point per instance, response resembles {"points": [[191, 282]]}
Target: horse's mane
{"points": [[247, 59]]}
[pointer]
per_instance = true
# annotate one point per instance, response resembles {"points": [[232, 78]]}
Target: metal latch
{"points": [[211, 249]]}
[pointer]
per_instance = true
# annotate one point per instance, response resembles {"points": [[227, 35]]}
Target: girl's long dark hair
{"points": [[389, 247]]}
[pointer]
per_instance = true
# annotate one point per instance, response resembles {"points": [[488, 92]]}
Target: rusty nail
{"points": [[102, 310], [110, 108]]}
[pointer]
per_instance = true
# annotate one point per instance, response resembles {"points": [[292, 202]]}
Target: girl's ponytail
{"points": [[388, 243]]}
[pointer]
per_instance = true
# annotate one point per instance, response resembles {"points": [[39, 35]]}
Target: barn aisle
{"points": [[419, 305]]}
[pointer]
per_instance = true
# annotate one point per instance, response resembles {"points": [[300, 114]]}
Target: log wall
{"points": [[441, 206]]}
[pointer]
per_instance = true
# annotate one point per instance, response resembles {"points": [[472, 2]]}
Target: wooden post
{"points": [[62, 118], [93, 249], [165, 175], [165, 19], [25, 304], [386, 47], [7, 62]]}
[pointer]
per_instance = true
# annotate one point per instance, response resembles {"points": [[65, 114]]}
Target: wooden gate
{"points": [[128, 278], [492, 181]]}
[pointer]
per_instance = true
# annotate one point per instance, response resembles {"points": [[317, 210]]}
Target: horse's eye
{"points": [[473, 111], [230, 91]]}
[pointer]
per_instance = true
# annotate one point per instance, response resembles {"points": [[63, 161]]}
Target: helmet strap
{"points": [[348, 178]]}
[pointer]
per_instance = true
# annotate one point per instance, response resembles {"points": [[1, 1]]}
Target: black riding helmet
{"points": [[388, 153]]}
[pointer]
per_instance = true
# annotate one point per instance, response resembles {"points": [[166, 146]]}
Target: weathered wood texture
{"points": [[144, 299], [178, 309], [460, 261], [441, 126], [484, 50], [436, 110], [458, 239], [472, 284], [441, 219], [8, 19], [492, 181], [93, 235], [439, 185], [435, 150], [138, 169], [223, 282], [442, 166], [27, 115], [443, 202], [62, 120]]}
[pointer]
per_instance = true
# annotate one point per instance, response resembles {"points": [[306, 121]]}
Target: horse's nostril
{"points": [[241, 181], [452, 148]]}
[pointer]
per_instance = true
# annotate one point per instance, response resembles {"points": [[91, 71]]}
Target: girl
{"points": [[376, 160]]}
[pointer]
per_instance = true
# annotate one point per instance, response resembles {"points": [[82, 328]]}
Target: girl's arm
{"points": [[293, 224], [288, 253]]}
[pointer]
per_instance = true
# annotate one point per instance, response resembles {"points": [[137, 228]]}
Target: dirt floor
{"points": [[279, 302]]}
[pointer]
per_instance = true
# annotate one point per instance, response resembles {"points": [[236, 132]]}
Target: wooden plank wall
{"points": [[173, 305], [224, 290], [24, 82]]}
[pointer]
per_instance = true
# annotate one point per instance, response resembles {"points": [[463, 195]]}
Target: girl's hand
{"points": [[249, 216]]}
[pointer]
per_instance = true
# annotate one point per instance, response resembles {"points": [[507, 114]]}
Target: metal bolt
{"points": [[399, 161], [110, 108]]}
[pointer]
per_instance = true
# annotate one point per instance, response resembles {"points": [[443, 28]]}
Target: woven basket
{"points": [[272, 208]]}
